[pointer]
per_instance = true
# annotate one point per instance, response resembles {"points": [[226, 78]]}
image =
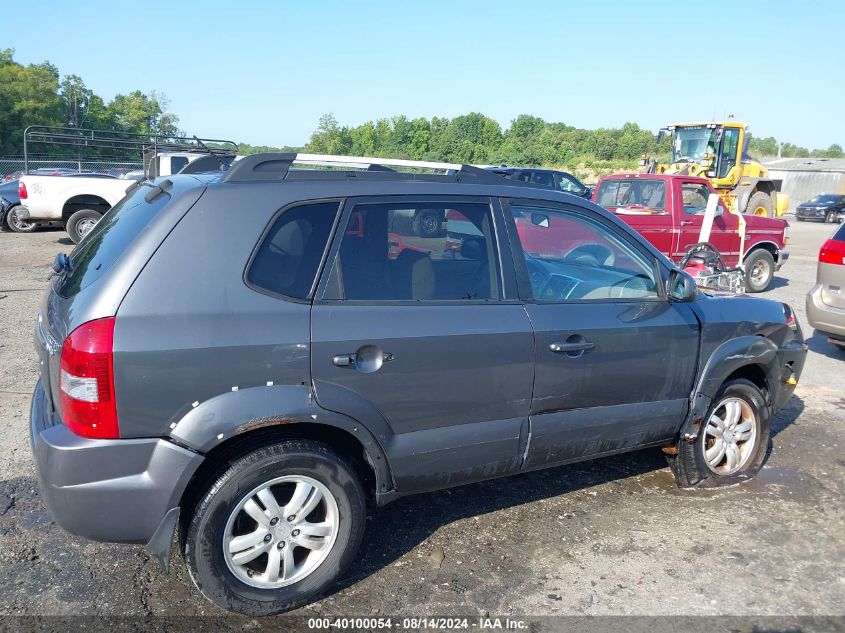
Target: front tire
{"points": [[832, 217], [761, 204], [759, 270], [276, 529], [733, 440], [81, 223]]}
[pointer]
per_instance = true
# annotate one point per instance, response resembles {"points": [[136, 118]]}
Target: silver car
{"points": [[826, 300]]}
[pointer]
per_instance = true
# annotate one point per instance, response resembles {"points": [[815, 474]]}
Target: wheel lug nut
{"points": [[274, 520], [295, 533], [281, 545], [291, 518], [267, 538]]}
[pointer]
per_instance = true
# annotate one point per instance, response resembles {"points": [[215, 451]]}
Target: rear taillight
{"points": [[832, 252], [22, 194], [86, 380]]}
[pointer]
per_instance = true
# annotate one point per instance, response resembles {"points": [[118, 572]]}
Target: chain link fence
{"points": [[13, 166]]}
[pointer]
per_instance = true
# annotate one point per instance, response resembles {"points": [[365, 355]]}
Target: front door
{"points": [[724, 234], [414, 334], [615, 360]]}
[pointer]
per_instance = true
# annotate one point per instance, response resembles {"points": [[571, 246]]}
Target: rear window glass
{"points": [[109, 239], [288, 260], [840, 234], [645, 194]]}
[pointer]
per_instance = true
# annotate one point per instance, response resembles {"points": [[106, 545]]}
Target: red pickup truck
{"points": [[668, 210]]}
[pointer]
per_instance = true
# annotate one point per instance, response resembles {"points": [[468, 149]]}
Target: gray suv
{"points": [[246, 359]]}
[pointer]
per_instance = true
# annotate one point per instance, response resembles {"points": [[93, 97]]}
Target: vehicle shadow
{"points": [[787, 416], [401, 526], [818, 344], [778, 282]]}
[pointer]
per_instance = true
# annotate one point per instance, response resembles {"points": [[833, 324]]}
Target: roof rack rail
{"points": [[275, 166]]}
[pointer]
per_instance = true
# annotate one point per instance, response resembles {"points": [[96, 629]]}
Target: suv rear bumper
{"points": [[825, 318], [106, 490]]}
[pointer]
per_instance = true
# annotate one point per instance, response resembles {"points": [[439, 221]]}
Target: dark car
{"points": [[551, 178], [10, 201], [254, 384], [826, 207]]}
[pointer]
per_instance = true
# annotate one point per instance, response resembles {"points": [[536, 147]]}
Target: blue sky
{"points": [[264, 72]]}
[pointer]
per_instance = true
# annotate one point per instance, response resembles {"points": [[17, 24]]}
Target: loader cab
{"points": [[708, 149]]}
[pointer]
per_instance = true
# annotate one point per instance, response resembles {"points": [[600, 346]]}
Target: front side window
{"points": [[628, 194], [570, 257], [288, 259], [569, 185], [415, 251], [695, 198]]}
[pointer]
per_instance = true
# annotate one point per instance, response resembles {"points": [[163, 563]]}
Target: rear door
{"points": [[424, 340], [615, 360]]}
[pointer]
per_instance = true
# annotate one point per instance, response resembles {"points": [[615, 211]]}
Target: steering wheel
{"points": [[591, 254], [708, 254]]}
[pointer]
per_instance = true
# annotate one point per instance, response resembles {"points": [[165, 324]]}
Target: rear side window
{"points": [[840, 234], [288, 259], [108, 240]]}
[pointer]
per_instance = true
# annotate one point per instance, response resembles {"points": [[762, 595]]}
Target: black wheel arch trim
{"points": [[726, 359], [231, 414]]}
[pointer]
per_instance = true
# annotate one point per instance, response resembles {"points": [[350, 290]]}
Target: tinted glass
{"points": [[570, 257], [177, 163], [109, 239], [288, 260], [628, 193], [840, 234], [419, 252], [569, 185], [727, 156]]}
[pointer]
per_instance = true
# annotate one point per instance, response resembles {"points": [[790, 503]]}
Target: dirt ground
{"points": [[614, 536]]}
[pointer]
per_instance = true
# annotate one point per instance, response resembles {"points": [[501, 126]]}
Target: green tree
{"points": [[143, 114], [29, 95]]}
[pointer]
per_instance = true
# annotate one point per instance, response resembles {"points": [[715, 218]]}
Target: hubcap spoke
{"points": [[732, 413], [253, 510], [298, 500], [316, 529], [309, 543], [246, 541], [288, 566], [269, 501], [244, 557], [274, 564], [732, 453], [715, 453]]}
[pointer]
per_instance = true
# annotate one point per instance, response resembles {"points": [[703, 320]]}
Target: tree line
{"points": [[36, 94]]}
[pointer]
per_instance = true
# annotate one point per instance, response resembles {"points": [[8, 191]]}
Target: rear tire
{"points": [[759, 270], [234, 576], [761, 204], [707, 462], [17, 225], [81, 223]]}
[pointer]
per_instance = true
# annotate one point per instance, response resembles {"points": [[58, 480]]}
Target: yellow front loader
{"points": [[718, 152]]}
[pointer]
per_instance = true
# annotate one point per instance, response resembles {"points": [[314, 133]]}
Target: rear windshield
{"points": [[839, 236], [647, 193], [109, 238]]}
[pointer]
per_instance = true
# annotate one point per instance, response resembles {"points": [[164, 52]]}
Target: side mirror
{"points": [[540, 219], [681, 286]]}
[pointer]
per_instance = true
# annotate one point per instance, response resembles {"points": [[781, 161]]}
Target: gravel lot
{"points": [[614, 536]]}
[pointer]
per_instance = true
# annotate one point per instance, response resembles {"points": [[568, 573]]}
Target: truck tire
{"points": [[14, 223], [733, 440], [761, 204], [295, 505], [427, 223], [759, 270], [81, 223]]}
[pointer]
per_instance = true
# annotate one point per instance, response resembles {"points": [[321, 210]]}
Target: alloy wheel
{"points": [[280, 532], [730, 436]]}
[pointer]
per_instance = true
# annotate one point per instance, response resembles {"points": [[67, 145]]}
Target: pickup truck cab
{"points": [[668, 210]]}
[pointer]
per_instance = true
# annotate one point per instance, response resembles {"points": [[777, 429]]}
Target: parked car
{"points": [[79, 200], [826, 207], [826, 300], [9, 204], [254, 383], [551, 178], [668, 210]]}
